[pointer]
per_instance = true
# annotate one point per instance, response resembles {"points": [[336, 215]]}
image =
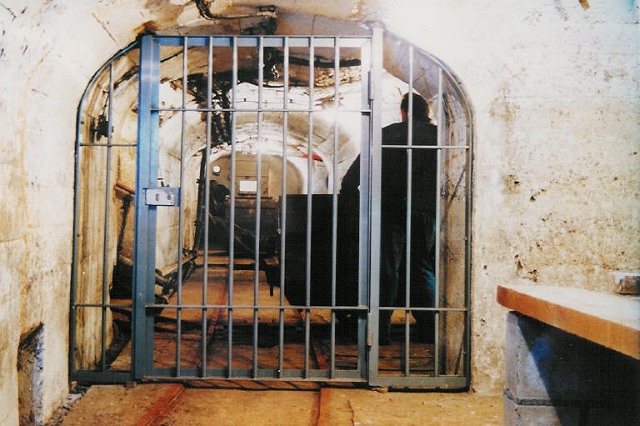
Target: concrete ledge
{"points": [[546, 365], [571, 356], [610, 320], [555, 377]]}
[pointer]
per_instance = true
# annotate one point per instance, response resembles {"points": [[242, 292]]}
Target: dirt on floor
{"points": [[211, 403]]}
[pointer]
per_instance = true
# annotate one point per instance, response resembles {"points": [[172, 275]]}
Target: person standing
{"points": [[399, 163]]}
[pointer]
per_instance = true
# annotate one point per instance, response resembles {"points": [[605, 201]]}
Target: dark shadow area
{"points": [[600, 384]]}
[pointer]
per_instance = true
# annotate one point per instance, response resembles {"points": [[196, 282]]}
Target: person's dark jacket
{"points": [[394, 170]]}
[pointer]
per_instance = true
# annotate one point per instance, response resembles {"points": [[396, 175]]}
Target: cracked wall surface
{"points": [[554, 90]]}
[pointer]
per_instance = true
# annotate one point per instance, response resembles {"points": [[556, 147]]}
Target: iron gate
{"points": [[246, 259]]}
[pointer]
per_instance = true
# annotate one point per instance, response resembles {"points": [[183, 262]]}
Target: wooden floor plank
{"points": [[391, 358]]}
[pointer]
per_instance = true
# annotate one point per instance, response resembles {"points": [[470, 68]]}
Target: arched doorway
{"points": [[294, 294]]}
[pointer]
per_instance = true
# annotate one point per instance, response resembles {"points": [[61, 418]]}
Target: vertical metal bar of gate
{"points": [[370, 201], [436, 298], [145, 218], [307, 312], [230, 282], [334, 208], [283, 213], [409, 195], [207, 191], [178, 342], [105, 245], [467, 232], [256, 270]]}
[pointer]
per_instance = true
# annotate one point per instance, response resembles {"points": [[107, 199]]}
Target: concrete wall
{"points": [[554, 86], [556, 378]]}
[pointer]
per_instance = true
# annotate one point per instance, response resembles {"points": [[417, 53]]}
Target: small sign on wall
{"points": [[248, 186]]}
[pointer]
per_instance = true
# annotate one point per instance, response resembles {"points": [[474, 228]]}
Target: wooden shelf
{"points": [[608, 319]]}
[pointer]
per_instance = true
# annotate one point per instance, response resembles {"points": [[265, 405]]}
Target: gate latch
{"points": [[163, 196]]}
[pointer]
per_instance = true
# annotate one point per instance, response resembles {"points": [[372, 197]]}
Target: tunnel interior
{"points": [[257, 139]]}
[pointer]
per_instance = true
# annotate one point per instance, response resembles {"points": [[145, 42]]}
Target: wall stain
{"points": [[519, 266], [8, 10], [356, 10], [536, 194], [503, 109], [148, 27], [617, 74], [561, 10], [166, 14], [105, 27], [511, 182]]}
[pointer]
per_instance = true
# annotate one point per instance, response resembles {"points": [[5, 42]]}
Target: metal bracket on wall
{"points": [[164, 196]]}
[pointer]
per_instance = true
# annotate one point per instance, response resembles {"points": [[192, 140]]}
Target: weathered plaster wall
{"points": [[557, 132], [48, 52]]}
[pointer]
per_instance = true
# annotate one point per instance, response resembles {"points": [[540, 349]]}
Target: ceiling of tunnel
{"points": [[208, 17], [266, 135], [285, 19], [425, 71]]}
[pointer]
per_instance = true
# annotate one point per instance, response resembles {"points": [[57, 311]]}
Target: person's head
{"points": [[420, 107]]}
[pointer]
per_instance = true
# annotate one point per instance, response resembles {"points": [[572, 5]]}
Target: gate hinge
{"points": [[163, 196]]}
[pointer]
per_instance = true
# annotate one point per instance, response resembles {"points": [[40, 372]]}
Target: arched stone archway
{"points": [[182, 127]]}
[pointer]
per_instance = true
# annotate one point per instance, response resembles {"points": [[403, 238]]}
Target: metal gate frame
{"points": [[144, 263]]}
